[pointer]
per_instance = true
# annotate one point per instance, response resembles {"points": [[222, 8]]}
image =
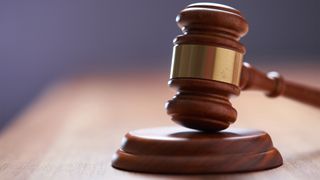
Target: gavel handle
{"points": [[274, 85]]}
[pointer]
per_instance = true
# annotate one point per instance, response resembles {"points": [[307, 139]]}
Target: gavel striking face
{"points": [[207, 69]]}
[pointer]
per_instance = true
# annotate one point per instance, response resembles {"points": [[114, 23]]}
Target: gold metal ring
{"points": [[206, 62]]}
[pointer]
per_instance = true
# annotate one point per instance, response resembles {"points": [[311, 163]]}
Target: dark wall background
{"points": [[41, 40]]}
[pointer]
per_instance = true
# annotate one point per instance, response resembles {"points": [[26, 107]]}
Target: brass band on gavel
{"points": [[206, 62]]}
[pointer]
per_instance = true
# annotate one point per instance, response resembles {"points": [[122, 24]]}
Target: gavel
{"points": [[207, 69]]}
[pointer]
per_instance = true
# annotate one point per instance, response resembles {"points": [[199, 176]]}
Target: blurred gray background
{"points": [[42, 41]]}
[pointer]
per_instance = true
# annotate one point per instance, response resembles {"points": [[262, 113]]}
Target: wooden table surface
{"points": [[74, 127]]}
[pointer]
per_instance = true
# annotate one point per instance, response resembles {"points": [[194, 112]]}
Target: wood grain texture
{"points": [[73, 128]]}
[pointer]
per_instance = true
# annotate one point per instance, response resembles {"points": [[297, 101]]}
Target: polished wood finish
{"points": [[274, 85], [74, 127], [179, 150], [204, 104], [212, 24]]}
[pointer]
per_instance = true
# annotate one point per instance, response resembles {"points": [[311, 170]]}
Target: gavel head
{"points": [[206, 66]]}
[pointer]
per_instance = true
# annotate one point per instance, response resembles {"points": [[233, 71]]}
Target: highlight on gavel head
{"points": [[206, 66]]}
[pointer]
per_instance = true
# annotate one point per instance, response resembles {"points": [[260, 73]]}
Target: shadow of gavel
{"points": [[207, 69]]}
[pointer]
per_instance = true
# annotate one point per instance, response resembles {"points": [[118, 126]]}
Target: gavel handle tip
{"points": [[274, 85]]}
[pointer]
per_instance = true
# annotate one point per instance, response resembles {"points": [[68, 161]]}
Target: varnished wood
{"points": [[73, 128], [179, 150], [71, 131], [252, 79], [201, 103], [212, 24], [204, 104]]}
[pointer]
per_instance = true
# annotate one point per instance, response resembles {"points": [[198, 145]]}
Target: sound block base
{"points": [[178, 150]]}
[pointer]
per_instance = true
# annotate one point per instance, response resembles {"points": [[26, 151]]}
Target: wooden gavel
{"points": [[207, 69]]}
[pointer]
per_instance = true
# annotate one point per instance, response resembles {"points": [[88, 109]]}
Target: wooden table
{"points": [[74, 127]]}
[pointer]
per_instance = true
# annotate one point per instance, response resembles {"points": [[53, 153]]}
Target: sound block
{"points": [[178, 150]]}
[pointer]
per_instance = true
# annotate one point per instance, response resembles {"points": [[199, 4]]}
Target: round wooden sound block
{"points": [[180, 150]]}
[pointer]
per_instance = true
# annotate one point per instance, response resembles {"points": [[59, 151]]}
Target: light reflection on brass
{"points": [[206, 62]]}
